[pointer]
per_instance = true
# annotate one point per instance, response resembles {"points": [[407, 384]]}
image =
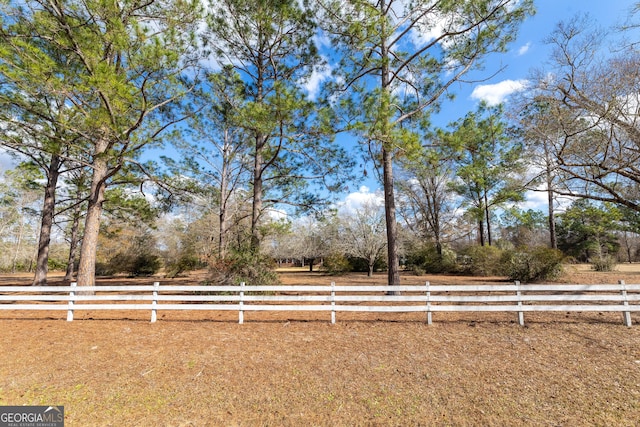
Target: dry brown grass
{"points": [[203, 369]]}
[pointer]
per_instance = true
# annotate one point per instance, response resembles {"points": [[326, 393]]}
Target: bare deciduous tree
{"points": [[593, 94], [363, 234]]}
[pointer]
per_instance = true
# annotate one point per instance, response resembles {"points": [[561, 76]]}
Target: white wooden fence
{"points": [[516, 298]]}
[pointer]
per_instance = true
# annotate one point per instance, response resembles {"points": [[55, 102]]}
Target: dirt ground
{"points": [[290, 369]]}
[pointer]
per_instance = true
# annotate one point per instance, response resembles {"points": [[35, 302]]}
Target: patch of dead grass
{"points": [[289, 369]]}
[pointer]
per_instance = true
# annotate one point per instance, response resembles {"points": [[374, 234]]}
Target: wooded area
{"points": [[253, 153]]}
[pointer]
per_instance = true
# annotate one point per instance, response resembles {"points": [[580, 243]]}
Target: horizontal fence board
{"points": [[287, 288], [203, 298], [472, 288], [35, 307], [523, 298], [577, 288], [112, 297], [475, 298], [199, 288], [382, 308], [387, 298], [14, 297], [85, 306], [287, 298], [526, 308], [581, 297], [380, 288], [209, 307], [273, 307], [42, 289]]}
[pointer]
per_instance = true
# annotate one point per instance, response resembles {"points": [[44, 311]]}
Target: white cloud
{"points": [[356, 200], [535, 200], [312, 86], [497, 93], [524, 49], [276, 214], [322, 40], [420, 36], [538, 200]]}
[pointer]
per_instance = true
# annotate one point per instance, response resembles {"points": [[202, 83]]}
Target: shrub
{"points": [[425, 259], [481, 260], [336, 263], [142, 264], [528, 265], [145, 265], [417, 270], [362, 266], [603, 263], [56, 264], [243, 266], [104, 269], [182, 264]]}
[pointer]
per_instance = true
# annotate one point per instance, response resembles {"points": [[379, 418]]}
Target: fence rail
{"points": [[517, 298]]}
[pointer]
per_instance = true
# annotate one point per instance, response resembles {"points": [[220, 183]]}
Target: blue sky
{"points": [[527, 52]]}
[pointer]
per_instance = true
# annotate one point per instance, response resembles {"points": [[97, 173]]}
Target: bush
{"points": [[182, 264], [418, 271], [362, 266], [527, 265], [425, 259], [56, 264], [143, 264], [104, 269], [481, 260], [243, 266], [603, 263], [336, 263]]}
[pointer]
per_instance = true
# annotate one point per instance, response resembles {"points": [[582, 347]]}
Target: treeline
{"points": [[251, 97]]}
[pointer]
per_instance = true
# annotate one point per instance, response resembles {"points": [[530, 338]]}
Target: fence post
{"points": [[428, 303], [72, 294], [333, 303], [519, 295], [241, 305], [154, 302], [626, 315]]}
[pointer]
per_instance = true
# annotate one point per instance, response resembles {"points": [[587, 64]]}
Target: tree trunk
{"points": [[258, 162], [371, 267], [257, 193], [14, 263], [73, 244], [222, 216], [87, 266], [436, 228], [393, 271], [627, 245], [48, 210], [552, 218], [481, 230], [222, 238], [487, 214]]}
